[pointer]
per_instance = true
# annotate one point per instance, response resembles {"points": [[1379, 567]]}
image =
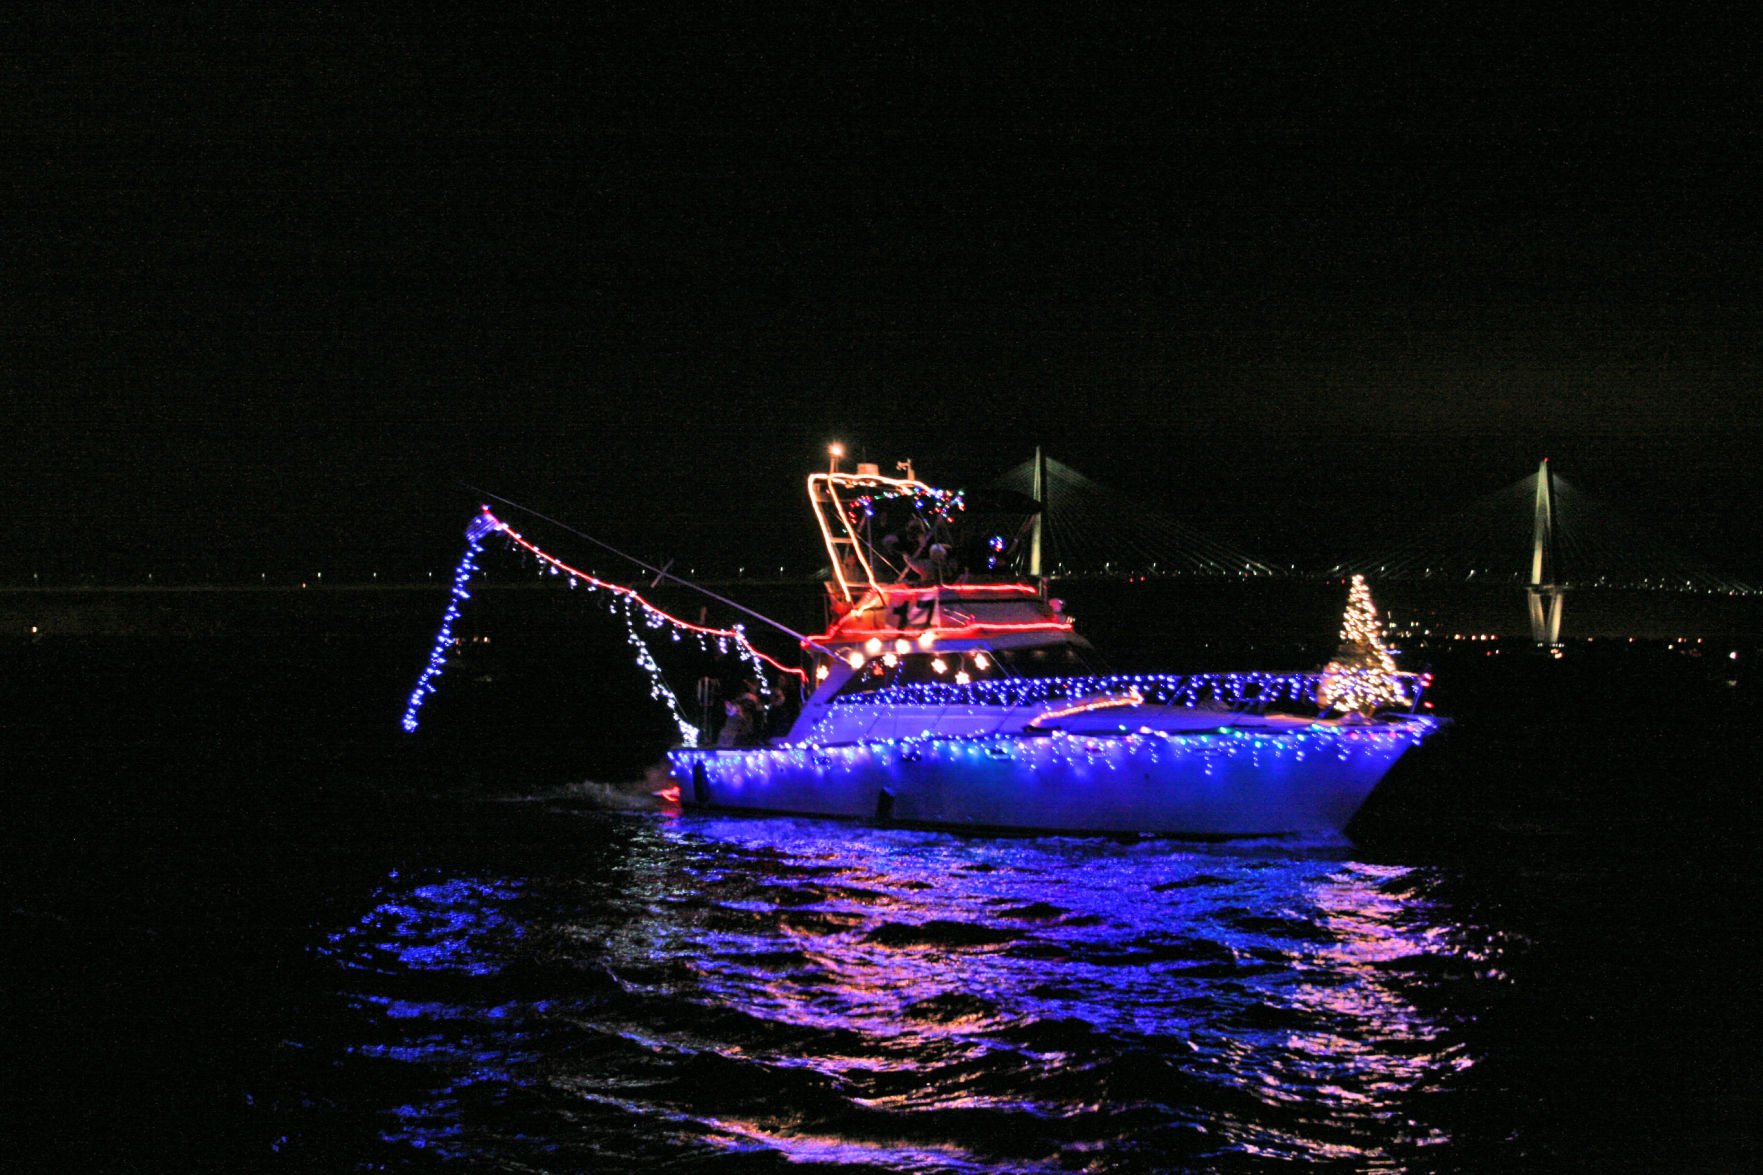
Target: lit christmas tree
{"points": [[1362, 677]]}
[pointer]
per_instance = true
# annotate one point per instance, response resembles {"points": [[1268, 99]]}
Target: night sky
{"points": [[278, 282]]}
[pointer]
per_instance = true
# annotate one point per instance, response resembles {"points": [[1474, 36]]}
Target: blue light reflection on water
{"points": [[436, 927], [915, 1001]]}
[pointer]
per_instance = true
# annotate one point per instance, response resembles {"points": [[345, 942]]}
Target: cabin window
{"points": [[1063, 660]]}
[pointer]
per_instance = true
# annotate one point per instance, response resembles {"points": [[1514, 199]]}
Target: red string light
{"points": [[594, 581]]}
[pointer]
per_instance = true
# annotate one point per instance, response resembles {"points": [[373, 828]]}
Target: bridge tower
{"points": [[1545, 590]]}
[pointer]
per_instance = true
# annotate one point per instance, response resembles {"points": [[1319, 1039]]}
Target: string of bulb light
{"points": [[625, 600]]}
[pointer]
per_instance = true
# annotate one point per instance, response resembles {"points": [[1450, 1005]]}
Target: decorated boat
{"points": [[949, 690]]}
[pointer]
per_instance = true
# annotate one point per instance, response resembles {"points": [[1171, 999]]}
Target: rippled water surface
{"points": [[747, 991], [294, 950]]}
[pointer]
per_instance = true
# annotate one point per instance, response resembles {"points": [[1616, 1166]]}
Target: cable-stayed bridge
{"points": [[1541, 535], [1577, 542], [1582, 543], [1088, 529]]}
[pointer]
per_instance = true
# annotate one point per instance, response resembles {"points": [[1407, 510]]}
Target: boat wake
{"points": [[636, 795]]}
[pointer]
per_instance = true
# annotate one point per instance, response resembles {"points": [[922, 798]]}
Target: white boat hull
{"points": [[1222, 783]]}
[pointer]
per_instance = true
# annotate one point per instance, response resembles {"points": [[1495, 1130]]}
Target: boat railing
{"points": [[1253, 692]]}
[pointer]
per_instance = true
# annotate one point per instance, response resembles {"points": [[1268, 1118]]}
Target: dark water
{"points": [[248, 927]]}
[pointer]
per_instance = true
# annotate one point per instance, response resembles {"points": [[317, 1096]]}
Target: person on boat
{"points": [[737, 723], [919, 569], [918, 531], [891, 555], [942, 561], [746, 722]]}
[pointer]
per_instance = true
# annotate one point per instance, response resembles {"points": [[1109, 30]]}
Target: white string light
{"points": [[1362, 678], [625, 600]]}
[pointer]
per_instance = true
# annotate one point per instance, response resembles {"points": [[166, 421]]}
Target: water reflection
{"points": [[456, 924], [914, 1001]]}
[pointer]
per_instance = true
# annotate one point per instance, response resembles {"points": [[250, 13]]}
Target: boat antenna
{"points": [[661, 573]]}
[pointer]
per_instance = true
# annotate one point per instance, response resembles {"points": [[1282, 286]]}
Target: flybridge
{"points": [[883, 533], [911, 568], [869, 537]]}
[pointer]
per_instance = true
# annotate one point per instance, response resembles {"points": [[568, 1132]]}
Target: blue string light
{"points": [[932, 707], [480, 526], [1234, 689], [1110, 750]]}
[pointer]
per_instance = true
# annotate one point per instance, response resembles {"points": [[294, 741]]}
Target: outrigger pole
{"points": [[661, 573]]}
